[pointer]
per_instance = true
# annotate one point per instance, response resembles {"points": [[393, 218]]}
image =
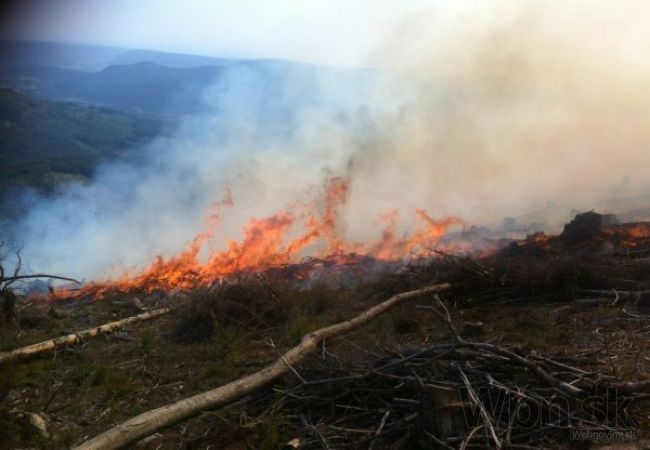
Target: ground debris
{"points": [[577, 313]]}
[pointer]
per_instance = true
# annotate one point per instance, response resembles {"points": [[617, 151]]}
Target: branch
{"points": [[73, 338], [147, 423], [487, 419], [445, 316], [10, 280]]}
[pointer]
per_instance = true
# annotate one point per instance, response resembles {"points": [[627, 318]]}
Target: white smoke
{"points": [[489, 110]]}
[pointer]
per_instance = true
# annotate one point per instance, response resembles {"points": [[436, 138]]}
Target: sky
{"points": [[349, 33], [332, 32]]}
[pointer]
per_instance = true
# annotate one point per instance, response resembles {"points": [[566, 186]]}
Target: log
{"points": [[149, 422], [73, 338]]}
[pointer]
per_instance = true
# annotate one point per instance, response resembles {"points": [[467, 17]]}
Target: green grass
{"points": [[298, 327], [273, 431]]}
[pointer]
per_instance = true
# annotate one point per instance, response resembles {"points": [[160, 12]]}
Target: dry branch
{"points": [[487, 419], [73, 338], [450, 388], [151, 421], [17, 277]]}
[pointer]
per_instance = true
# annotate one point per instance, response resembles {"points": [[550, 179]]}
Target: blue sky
{"points": [[334, 32], [337, 32]]}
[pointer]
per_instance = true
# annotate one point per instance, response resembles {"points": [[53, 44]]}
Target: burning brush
{"points": [[279, 243]]}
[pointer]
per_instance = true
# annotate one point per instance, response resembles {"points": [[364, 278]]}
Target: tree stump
{"points": [[440, 414]]}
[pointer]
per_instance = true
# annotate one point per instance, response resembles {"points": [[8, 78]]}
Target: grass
{"points": [[314, 301], [404, 321], [146, 339], [115, 383], [273, 432], [116, 377], [9, 338], [298, 327], [59, 327], [223, 355]]}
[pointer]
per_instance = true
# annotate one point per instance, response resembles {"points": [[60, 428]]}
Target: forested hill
{"points": [[160, 83], [44, 143], [64, 108]]}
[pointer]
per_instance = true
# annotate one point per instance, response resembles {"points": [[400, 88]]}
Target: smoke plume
{"points": [[479, 112]]}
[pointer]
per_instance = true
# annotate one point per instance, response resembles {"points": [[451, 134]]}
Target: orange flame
{"points": [[265, 243], [628, 235]]}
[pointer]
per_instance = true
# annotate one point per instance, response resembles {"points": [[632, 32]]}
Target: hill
{"points": [[178, 60], [44, 143], [141, 86], [15, 53], [162, 83]]}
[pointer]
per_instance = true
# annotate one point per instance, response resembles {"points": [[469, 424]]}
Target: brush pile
{"points": [[468, 394], [459, 395]]}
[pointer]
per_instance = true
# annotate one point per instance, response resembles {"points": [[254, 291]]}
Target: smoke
{"points": [[274, 133], [477, 111], [533, 101]]}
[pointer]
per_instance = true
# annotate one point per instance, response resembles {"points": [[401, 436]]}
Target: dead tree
{"points": [[7, 294], [76, 337], [151, 421]]}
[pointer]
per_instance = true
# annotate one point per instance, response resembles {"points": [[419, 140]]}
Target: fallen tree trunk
{"points": [[73, 338], [147, 423]]}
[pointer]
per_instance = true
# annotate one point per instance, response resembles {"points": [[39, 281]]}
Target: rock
{"points": [[294, 443], [39, 423]]}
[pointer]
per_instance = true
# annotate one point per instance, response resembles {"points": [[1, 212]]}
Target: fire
{"points": [[629, 235], [639, 231], [272, 241]]}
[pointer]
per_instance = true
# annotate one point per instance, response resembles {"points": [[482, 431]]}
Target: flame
{"points": [[639, 231], [272, 241], [628, 235]]}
